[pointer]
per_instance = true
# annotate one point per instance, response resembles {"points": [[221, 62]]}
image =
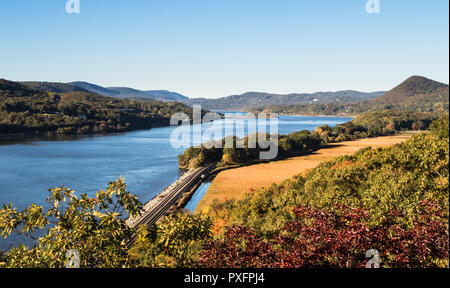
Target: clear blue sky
{"points": [[214, 48]]}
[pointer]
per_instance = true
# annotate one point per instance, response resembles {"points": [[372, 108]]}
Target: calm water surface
{"points": [[145, 158]]}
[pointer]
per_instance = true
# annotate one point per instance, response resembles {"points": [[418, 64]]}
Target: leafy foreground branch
{"points": [[95, 227]]}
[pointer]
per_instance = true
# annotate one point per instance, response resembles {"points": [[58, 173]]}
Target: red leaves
{"points": [[320, 238], [241, 248]]}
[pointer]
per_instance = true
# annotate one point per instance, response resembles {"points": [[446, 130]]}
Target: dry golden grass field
{"points": [[236, 183]]}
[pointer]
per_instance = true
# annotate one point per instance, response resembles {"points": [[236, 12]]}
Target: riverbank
{"points": [[341, 115], [316, 115], [237, 183], [54, 135]]}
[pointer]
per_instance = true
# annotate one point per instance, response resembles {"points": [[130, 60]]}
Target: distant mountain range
{"points": [[53, 87], [261, 100], [126, 92], [235, 102], [117, 92], [416, 94]]}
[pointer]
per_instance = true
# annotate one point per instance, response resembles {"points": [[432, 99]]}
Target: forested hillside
{"points": [[414, 88], [54, 87], [417, 94], [129, 93], [29, 111], [261, 100]]}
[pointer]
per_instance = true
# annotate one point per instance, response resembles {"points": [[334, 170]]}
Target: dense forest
{"points": [[330, 109], [34, 112], [394, 200], [370, 124], [54, 87]]}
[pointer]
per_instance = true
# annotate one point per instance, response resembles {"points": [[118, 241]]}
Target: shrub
{"points": [[340, 239]]}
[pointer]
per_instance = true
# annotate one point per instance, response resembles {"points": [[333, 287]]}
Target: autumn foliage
{"points": [[321, 238]]}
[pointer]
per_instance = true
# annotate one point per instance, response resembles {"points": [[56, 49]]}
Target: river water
{"points": [[147, 161]]}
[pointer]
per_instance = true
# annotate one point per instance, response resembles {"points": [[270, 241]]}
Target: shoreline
{"points": [[315, 115], [28, 136], [293, 114]]}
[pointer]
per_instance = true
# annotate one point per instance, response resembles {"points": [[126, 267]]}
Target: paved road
{"points": [[153, 215]]}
